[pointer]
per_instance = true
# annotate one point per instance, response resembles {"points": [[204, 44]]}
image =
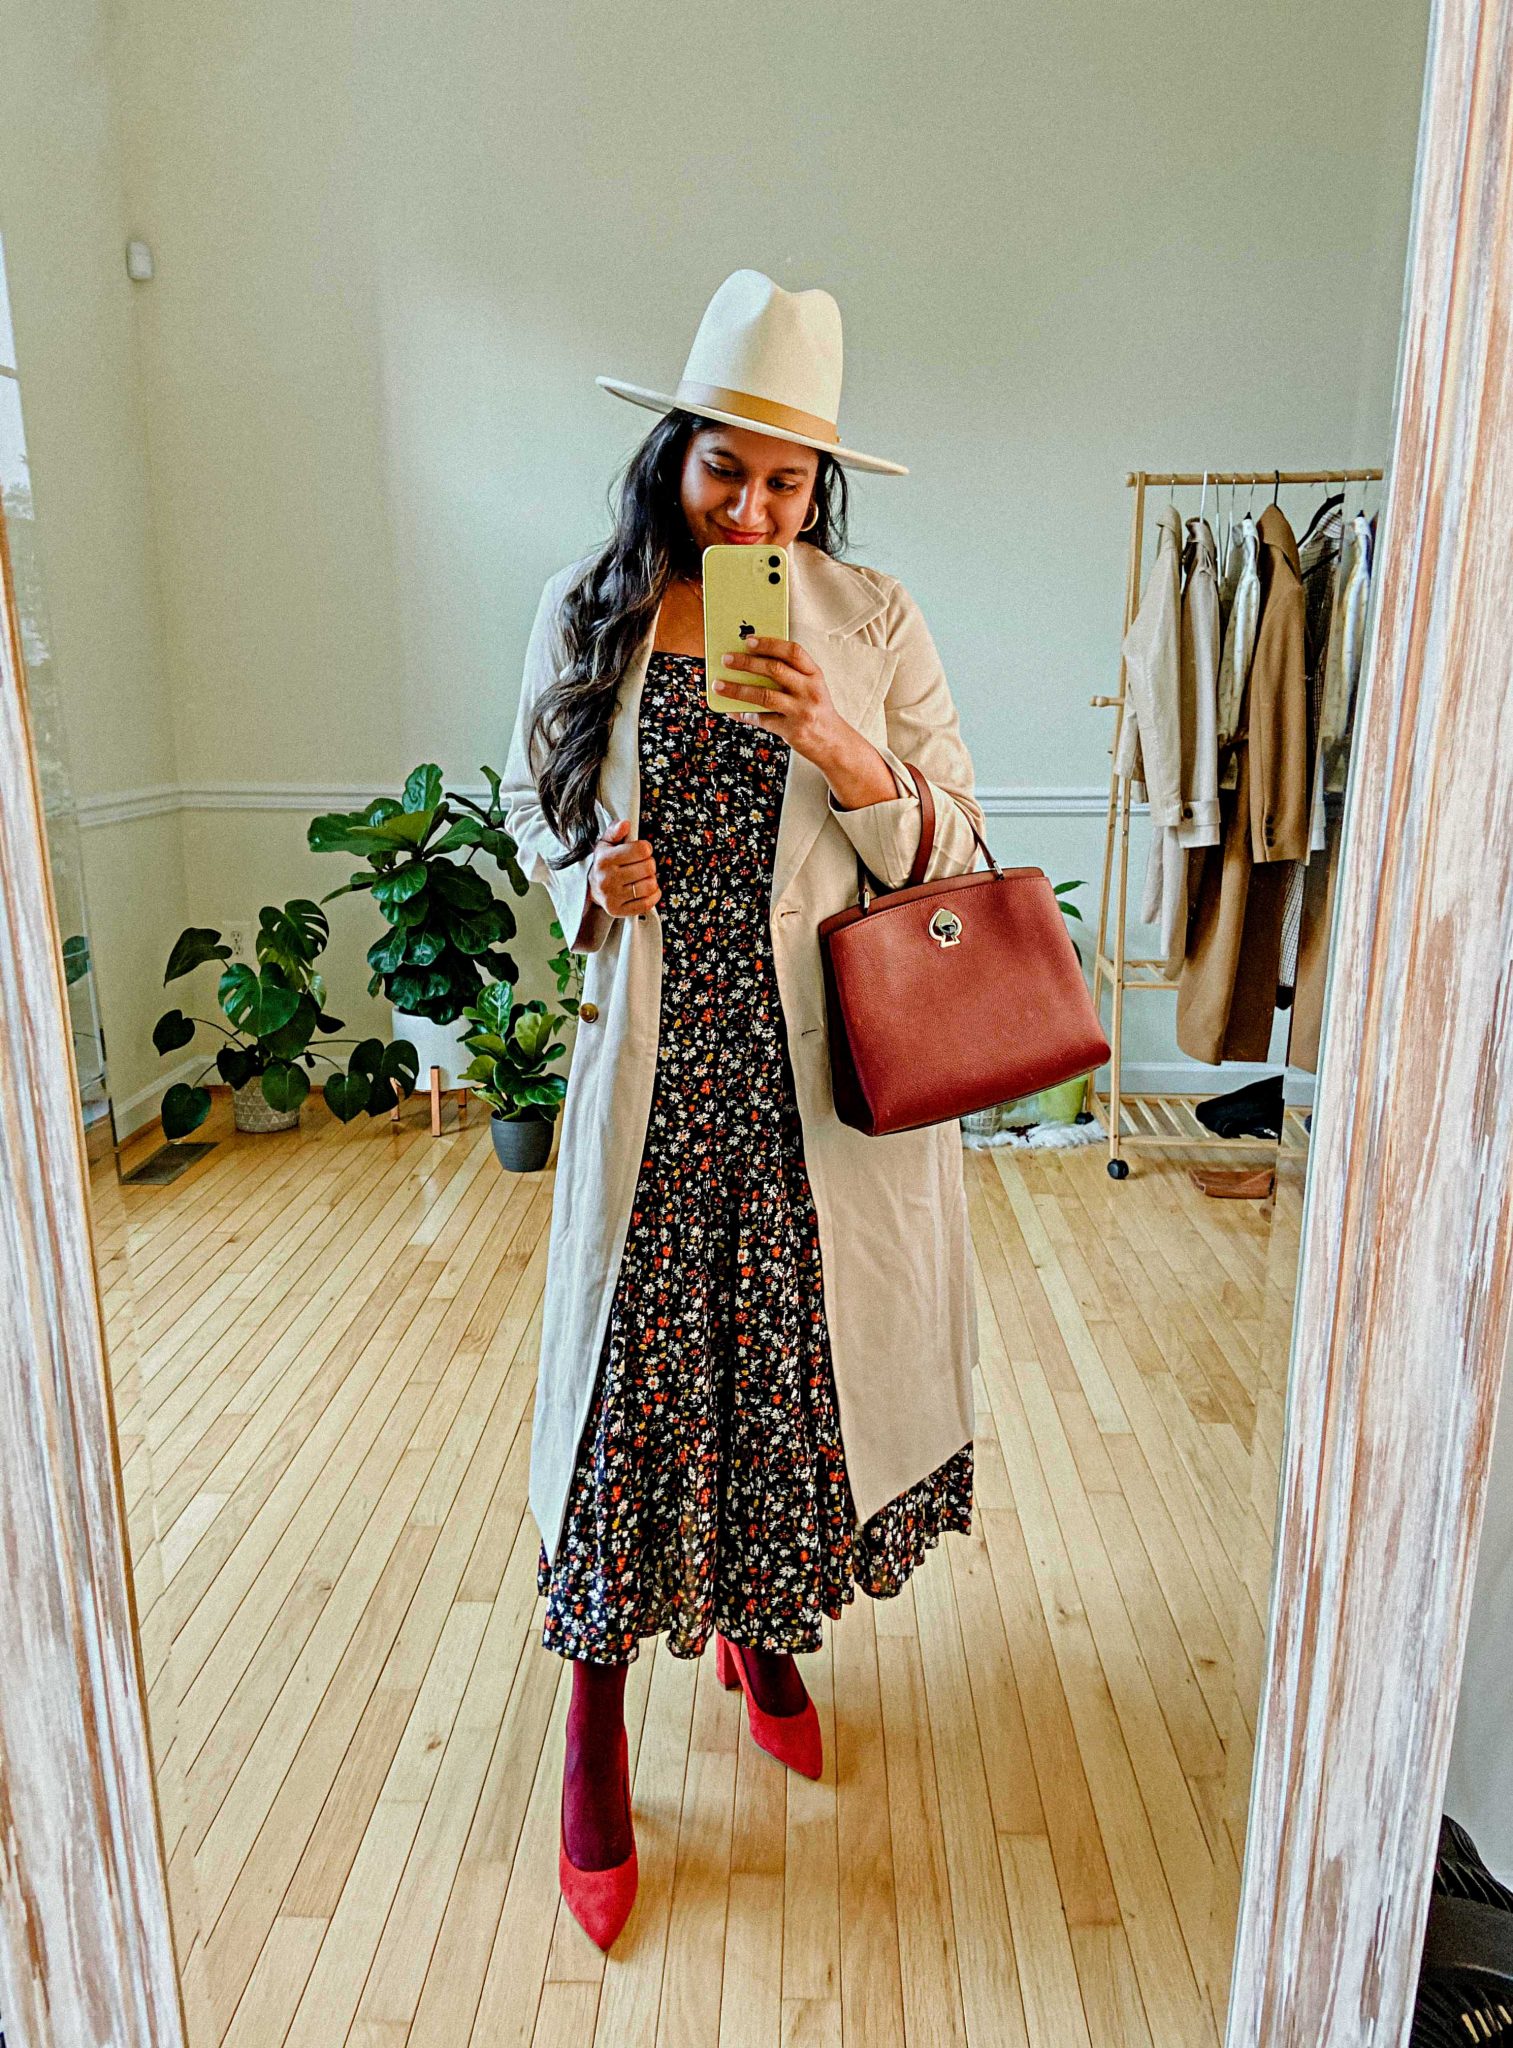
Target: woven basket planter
{"points": [[251, 1111]]}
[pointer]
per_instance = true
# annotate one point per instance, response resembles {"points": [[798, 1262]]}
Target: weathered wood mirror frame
{"points": [[1403, 1300]]}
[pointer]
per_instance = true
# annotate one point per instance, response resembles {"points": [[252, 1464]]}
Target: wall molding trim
{"points": [[127, 806]]}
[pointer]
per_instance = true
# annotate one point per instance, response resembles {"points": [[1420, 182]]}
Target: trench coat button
{"points": [[587, 1012]]}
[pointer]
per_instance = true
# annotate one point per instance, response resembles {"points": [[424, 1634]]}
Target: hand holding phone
{"points": [[745, 595]]}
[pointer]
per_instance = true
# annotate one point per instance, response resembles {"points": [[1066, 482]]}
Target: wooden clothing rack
{"points": [[1162, 1124]]}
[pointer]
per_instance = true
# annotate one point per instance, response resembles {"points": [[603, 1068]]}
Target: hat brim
{"points": [[662, 401]]}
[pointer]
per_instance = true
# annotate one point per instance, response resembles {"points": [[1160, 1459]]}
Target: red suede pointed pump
{"points": [[794, 1739], [600, 1900]]}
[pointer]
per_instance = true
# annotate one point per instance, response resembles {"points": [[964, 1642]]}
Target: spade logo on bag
{"points": [[945, 927]]}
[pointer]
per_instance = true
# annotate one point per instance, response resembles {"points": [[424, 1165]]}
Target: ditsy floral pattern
{"points": [[710, 1488]]}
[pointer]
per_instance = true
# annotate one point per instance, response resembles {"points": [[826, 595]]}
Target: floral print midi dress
{"points": [[710, 1490]]}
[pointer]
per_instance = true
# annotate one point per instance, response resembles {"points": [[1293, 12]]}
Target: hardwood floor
{"points": [[326, 1353]]}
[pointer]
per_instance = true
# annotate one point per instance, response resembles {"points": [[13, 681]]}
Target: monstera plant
{"points": [[445, 924], [274, 1010]]}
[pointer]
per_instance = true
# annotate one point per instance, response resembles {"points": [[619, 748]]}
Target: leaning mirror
{"points": [[451, 1211]]}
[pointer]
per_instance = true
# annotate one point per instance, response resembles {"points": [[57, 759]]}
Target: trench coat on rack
{"points": [[895, 1245]]}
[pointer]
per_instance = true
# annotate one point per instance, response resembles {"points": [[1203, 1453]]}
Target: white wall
{"points": [[395, 245], [63, 219]]}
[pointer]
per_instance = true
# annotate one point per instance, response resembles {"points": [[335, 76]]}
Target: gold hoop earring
{"points": [[813, 519]]}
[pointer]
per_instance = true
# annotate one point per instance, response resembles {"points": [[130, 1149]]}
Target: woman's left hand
{"points": [[795, 703]]}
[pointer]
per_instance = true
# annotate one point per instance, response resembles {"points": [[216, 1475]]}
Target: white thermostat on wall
{"points": [[138, 261]]}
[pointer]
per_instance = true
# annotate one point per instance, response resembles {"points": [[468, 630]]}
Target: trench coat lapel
{"points": [[829, 605]]}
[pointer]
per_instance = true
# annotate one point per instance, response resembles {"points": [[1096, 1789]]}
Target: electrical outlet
{"points": [[239, 938]]}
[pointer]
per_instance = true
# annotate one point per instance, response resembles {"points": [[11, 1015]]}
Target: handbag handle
{"points": [[864, 892]]}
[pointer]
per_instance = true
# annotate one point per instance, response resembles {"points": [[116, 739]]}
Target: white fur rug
{"points": [[1039, 1138]]}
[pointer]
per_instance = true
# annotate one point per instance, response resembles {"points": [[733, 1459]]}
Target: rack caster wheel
{"points": [[1084, 1116], [1118, 1169]]}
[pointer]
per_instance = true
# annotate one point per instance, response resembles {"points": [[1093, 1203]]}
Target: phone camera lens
{"points": [[774, 578], [774, 562]]}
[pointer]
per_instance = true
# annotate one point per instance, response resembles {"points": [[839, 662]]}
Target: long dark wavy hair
{"points": [[605, 615]]}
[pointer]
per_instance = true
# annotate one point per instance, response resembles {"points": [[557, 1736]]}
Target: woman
{"points": [[755, 1385]]}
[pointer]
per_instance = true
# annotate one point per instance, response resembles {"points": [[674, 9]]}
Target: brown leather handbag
{"points": [[945, 997]]}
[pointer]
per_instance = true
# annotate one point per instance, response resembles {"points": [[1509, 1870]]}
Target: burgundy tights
{"points": [[594, 1802]]}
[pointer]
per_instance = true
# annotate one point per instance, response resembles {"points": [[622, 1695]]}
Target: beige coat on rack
{"points": [[895, 1247], [1167, 744]]}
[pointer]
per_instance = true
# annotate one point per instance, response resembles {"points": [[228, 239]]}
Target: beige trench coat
{"points": [[894, 1241]]}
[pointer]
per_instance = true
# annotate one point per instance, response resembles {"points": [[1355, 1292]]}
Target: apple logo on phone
{"points": [[747, 630]]}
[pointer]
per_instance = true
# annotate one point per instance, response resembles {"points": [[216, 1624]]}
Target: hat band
{"points": [[721, 398]]}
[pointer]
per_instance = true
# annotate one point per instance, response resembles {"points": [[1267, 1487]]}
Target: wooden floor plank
{"points": [[1025, 1831]]}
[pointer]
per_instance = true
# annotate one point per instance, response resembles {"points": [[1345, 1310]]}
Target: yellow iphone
{"points": [[745, 594]]}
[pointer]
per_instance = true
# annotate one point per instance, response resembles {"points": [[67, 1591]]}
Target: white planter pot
{"points": [[436, 1045]]}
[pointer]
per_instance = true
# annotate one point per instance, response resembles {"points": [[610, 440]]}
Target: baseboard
{"points": [[133, 1111], [1191, 1077]]}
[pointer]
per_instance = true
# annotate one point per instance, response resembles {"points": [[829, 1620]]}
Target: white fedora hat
{"points": [[765, 359]]}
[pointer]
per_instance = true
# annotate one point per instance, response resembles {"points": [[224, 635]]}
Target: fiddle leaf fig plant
{"points": [[274, 1011], [513, 1044], [445, 924]]}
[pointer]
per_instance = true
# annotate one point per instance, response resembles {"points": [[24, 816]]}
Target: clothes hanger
{"points": [[1325, 507]]}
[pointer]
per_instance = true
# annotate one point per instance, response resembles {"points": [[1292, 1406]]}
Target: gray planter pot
{"points": [[250, 1110], [521, 1147]]}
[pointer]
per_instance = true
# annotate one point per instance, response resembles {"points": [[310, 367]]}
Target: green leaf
{"points": [[172, 1030], [474, 935], [258, 1003], [387, 833], [551, 1090], [423, 788], [367, 1057], [184, 1109], [348, 1095], [463, 832], [495, 1005], [75, 958], [487, 1041], [401, 1062], [290, 1040], [343, 832], [408, 828], [292, 936], [192, 948], [460, 887], [236, 1064], [532, 1029], [388, 953], [423, 949], [391, 890], [285, 1086]]}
